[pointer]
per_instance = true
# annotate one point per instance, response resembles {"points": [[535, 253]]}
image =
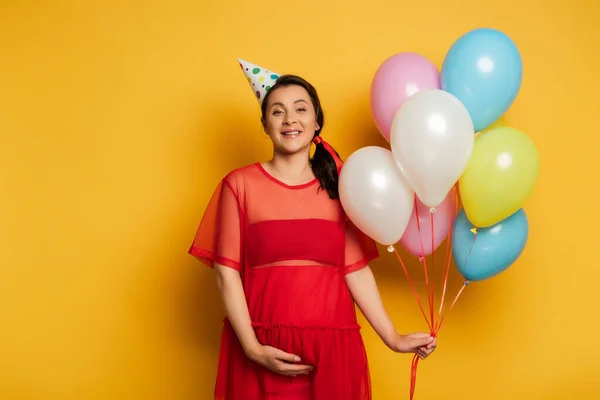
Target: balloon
{"points": [[374, 194], [500, 176], [398, 78], [494, 249], [432, 138], [483, 68], [411, 240]]}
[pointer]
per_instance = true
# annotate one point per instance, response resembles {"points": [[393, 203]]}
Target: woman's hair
{"points": [[322, 163]]}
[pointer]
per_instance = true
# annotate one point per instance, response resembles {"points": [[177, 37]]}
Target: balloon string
{"points": [[429, 324], [461, 289], [452, 305], [448, 256], [413, 375], [431, 220], [430, 298], [423, 260], [431, 293]]}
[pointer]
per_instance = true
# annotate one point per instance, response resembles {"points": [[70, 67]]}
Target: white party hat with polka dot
{"points": [[260, 79]]}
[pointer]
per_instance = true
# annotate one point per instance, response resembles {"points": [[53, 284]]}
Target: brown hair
{"points": [[322, 162]]}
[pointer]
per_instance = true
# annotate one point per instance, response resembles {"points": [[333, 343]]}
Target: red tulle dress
{"points": [[292, 246]]}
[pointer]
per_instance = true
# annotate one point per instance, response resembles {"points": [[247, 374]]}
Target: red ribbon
{"points": [[338, 163], [413, 375]]}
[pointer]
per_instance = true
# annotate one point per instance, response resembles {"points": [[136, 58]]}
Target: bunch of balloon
{"points": [[447, 139]]}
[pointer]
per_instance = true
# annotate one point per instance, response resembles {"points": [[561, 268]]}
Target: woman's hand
{"points": [[279, 361], [421, 343], [366, 295], [230, 286]]}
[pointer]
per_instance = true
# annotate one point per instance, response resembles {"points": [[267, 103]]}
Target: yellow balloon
{"points": [[499, 177]]}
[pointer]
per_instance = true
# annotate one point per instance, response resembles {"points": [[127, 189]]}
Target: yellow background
{"points": [[117, 119]]}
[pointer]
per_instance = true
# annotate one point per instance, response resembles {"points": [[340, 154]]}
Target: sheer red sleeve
{"points": [[218, 236], [360, 249]]}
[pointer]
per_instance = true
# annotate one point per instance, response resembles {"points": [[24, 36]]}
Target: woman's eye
{"points": [[301, 109], [277, 112]]}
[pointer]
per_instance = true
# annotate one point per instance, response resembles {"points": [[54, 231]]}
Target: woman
{"points": [[290, 267]]}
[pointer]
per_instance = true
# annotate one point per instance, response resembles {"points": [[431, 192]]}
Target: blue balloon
{"points": [[494, 250], [484, 70]]}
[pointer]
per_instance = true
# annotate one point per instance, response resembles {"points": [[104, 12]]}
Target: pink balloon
{"points": [[411, 240], [398, 78]]}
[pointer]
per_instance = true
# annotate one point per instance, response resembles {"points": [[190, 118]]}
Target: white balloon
{"points": [[432, 138], [375, 195]]}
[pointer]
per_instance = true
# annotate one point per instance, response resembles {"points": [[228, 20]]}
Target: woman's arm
{"points": [[232, 293], [229, 284], [364, 290]]}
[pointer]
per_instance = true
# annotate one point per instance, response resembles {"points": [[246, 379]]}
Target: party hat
{"points": [[260, 79]]}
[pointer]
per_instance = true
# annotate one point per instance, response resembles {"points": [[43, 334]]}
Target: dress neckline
{"points": [[285, 185]]}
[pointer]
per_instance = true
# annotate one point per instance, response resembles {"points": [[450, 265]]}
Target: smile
{"points": [[291, 134]]}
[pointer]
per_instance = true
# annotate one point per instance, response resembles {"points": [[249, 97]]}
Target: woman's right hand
{"points": [[279, 361], [229, 283]]}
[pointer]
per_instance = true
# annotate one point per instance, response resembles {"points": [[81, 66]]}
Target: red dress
{"points": [[292, 246]]}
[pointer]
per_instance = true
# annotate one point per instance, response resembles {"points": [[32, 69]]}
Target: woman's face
{"points": [[290, 119]]}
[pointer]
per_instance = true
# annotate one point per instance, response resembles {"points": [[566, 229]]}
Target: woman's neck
{"points": [[292, 169]]}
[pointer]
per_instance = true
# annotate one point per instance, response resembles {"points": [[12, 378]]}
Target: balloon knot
{"points": [[474, 230], [390, 249], [466, 283], [421, 258], [432, 210]]}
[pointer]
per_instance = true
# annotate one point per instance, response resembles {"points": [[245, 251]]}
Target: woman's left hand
{"points": [[421, 343]]}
